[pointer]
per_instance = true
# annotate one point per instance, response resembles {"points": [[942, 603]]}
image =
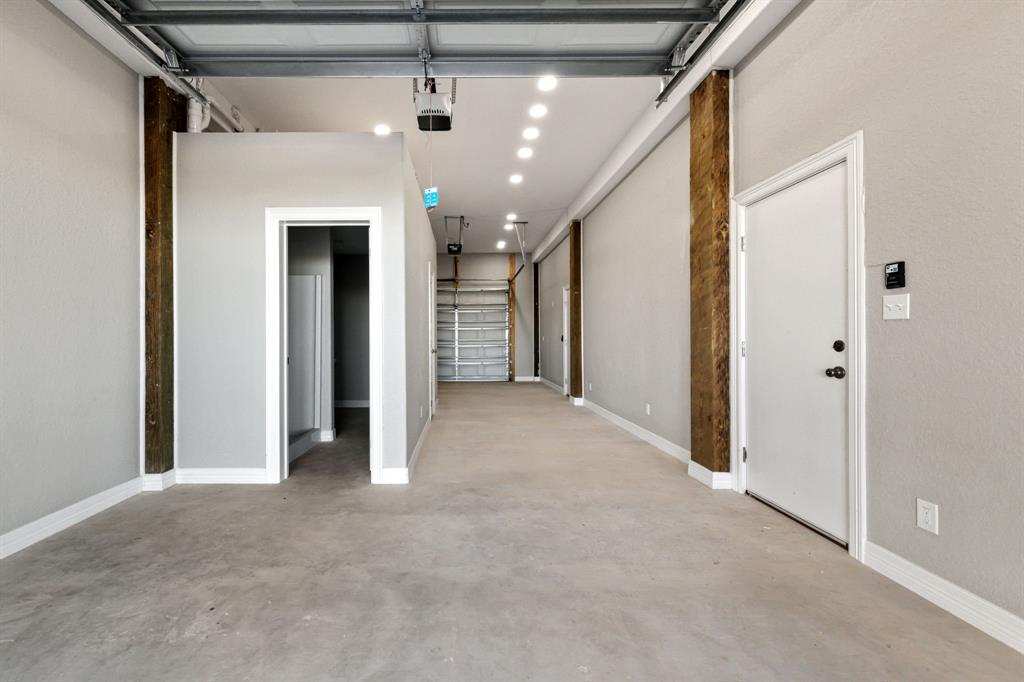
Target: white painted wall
{"points": [[309, 253], [225, 183], [938, 89], [69, 266], [553, 276], [495, 266], [420, 258], [636, 294]]}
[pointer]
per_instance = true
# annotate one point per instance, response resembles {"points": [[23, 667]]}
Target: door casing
{"points": [[276, 221], [851, 152]]}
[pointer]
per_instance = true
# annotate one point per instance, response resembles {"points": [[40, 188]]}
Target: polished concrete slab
{"points": [[536, 542]]}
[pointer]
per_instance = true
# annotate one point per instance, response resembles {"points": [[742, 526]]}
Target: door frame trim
{"points": [[276, 240], [851, 152]]}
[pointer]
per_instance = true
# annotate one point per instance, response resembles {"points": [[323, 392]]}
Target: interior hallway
{"points": [[537, 541]]}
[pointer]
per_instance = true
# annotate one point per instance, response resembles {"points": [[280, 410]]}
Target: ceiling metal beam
{"points": [[320, 16], [468, 66]]}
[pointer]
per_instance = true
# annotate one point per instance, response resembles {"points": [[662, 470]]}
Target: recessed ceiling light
{"points": [[515, 178], [509, 226], [531, 134], [538, 111], [500, 245], [510, 216], [524, 153], [547, 83], [382, 129]]}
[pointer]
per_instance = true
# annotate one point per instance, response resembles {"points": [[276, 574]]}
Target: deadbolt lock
{"points": [[839, 346], [835, 372]]}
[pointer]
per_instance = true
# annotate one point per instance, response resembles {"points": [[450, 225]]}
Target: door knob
{"points": [[835, 372]]}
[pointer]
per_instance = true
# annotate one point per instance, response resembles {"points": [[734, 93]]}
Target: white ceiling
{"points": [[472, 163]]}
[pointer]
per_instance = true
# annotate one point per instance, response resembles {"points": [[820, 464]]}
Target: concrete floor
{"points": [[537, 542]]}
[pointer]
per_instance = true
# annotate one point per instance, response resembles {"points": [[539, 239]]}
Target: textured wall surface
{"points": [[69, 266], [636, 301], [225, 184], [553, 277], [938, 89], [420, 257]]}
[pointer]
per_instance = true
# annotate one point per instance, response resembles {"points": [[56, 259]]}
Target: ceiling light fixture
{"points": [[500, 245], [524, 153], [531, 134], [547, 83], [510, 216], [515, 178], [509, 227], [382, 129], [538, 111]]}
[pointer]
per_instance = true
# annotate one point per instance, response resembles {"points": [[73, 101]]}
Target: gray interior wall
{"points": [[553, 276], [636, 294], [309, 253], [225, 183], [938, 89], [69, 266], [495, 266], [420, 259], [352, 327]]}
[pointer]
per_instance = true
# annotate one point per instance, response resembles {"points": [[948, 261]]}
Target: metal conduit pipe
{"points": [[179, 85]]}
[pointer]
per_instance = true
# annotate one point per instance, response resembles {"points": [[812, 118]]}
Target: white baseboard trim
{"points": [[239, 475], [716, 480], [578, 402], [40, 529], [993, 620], [325, 436], [391, 476], [663, 444], [351, 403], [419, 447], [552, 385], [158, 482], [527, 379]]}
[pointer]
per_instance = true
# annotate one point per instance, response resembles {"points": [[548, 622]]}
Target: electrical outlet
{"points": [[928, 516], [590, 387], [421, 411], [647, 409]]}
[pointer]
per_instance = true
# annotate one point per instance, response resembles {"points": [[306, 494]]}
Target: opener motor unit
{"points": [[434, 111]]}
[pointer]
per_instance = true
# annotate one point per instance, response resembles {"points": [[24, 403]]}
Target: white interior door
{"points": [[565, 341], [303, 353], [796, 329]]}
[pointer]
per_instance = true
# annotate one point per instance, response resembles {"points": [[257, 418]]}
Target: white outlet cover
{"points": [[928, 516], [647, 408], [896, 307]]}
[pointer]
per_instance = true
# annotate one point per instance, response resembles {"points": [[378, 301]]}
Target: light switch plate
{"points": [[896, 307]]}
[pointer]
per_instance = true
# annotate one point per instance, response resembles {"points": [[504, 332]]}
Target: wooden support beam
{"points": [[709, 272], [164, 114], [536, 319], [575, 309], [511, 317]]}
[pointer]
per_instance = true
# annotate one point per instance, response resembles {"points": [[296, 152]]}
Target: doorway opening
{"points": [[799, 394], [350, 250], [324, 308]]}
